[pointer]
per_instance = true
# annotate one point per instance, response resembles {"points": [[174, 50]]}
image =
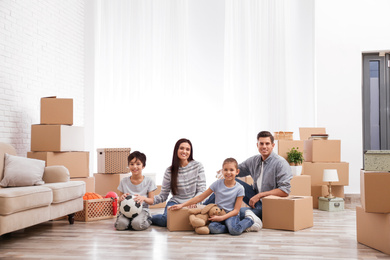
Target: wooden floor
{"points": [[332, 237]]}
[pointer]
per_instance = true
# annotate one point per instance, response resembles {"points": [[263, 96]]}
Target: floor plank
{"points": [[332, 237]]}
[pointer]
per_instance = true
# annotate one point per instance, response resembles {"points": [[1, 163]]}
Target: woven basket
{"points": [[96, 210], [281, 135]]}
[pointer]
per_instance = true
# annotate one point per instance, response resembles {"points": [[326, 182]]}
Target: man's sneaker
{"points": [[257, 223]]}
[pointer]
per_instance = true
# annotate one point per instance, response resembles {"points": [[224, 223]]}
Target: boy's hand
{"points": [[176, 207], [123, 196], [138, 198]]}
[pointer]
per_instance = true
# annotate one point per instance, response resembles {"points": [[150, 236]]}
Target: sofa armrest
{"points": [[56, 174]]}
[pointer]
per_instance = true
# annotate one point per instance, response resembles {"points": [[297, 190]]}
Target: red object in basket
{"points": [[114, 197]]}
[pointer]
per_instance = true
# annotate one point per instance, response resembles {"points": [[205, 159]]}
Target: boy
{"points": [[142, 187], [228, 196]]}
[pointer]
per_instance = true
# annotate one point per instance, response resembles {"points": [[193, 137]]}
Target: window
{"points": [[376, 102]]}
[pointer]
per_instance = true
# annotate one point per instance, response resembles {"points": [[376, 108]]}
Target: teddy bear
{"points": [[199, 217]]}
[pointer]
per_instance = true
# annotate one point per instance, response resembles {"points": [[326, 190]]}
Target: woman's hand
{"points": [[123, 196], [140, 199], [176, 207], [216, 218]]}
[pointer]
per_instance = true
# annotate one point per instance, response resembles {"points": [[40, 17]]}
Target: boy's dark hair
{"points": [[230, 160], [139, 156], [265, 134]]}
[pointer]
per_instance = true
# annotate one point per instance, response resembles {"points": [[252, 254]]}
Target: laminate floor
{"points": [[333, 236]]}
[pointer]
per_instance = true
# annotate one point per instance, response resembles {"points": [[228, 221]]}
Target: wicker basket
{"points": [[96, 210], [283, 135]]}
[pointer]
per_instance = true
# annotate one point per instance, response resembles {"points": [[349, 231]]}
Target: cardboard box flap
{"points": [[306, 132]]}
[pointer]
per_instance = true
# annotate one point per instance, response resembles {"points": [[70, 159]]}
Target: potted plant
{"points": [[295, 158]]}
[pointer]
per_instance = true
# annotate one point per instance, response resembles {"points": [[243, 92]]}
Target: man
{"points": [[270, 172]]}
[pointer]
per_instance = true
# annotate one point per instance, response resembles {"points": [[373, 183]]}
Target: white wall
{"points": [[343, 30], [41, 54]]}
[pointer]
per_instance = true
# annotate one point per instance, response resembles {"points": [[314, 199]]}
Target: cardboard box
{"points": [[248, 179], [375, 191], [316, 171], [322, 191], [89, 183], [285, 146], [113, 160], [373, 229], [178, 220], [76, 162], [377, 160], [287, 213], [160, 205], [56, 111], [306, 132], [57, 138], [108, 182], [322, 150], [301, 185]]}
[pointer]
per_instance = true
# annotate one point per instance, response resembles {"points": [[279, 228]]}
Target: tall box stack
{"points": [[300, 185], [373, 216], [112, 168], [56, 141], [321, 153]]}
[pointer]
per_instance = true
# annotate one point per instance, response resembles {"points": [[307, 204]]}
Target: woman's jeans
{"points": [[161, 219]]}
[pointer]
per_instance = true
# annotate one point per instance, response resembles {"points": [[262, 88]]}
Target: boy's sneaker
{"points": [[257, 223]]}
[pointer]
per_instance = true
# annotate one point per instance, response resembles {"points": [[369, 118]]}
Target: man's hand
{"points": [[254, 200], [219, 175]]}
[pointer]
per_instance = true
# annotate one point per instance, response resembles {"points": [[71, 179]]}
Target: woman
{"points": [[185, 179]]}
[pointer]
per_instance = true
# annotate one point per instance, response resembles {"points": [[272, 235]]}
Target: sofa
{"points": [[50, 196]]}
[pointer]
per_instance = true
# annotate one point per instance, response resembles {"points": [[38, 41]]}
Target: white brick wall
{"points": [[41, 54]]}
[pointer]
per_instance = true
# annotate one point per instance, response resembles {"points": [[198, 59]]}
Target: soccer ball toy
{"points": [[129, 207]]}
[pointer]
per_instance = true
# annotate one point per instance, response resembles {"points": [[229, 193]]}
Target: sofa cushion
{"points": [[64, 191], [16, 199], [20, 171]]}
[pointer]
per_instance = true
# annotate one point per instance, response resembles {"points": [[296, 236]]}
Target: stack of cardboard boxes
{"points": [[112, 168], [373, 216], [300, 184], [319, 155], [56, 141]]}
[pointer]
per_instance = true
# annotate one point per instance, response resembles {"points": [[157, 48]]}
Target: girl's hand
{"points": [[176, 207], [123, 196], [138, 198], [193, 206], [216, 218]]}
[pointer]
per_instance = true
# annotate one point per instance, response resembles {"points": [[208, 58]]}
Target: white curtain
{"points": [[211, 71]]}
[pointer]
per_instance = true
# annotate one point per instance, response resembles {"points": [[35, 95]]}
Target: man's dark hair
{"points": [[265, 134]]}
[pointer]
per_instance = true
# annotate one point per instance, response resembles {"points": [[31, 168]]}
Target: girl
{"points": [[228, 196]]}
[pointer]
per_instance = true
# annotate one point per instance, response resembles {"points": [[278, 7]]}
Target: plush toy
{"points": [[114, 198], [199, 218]]}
